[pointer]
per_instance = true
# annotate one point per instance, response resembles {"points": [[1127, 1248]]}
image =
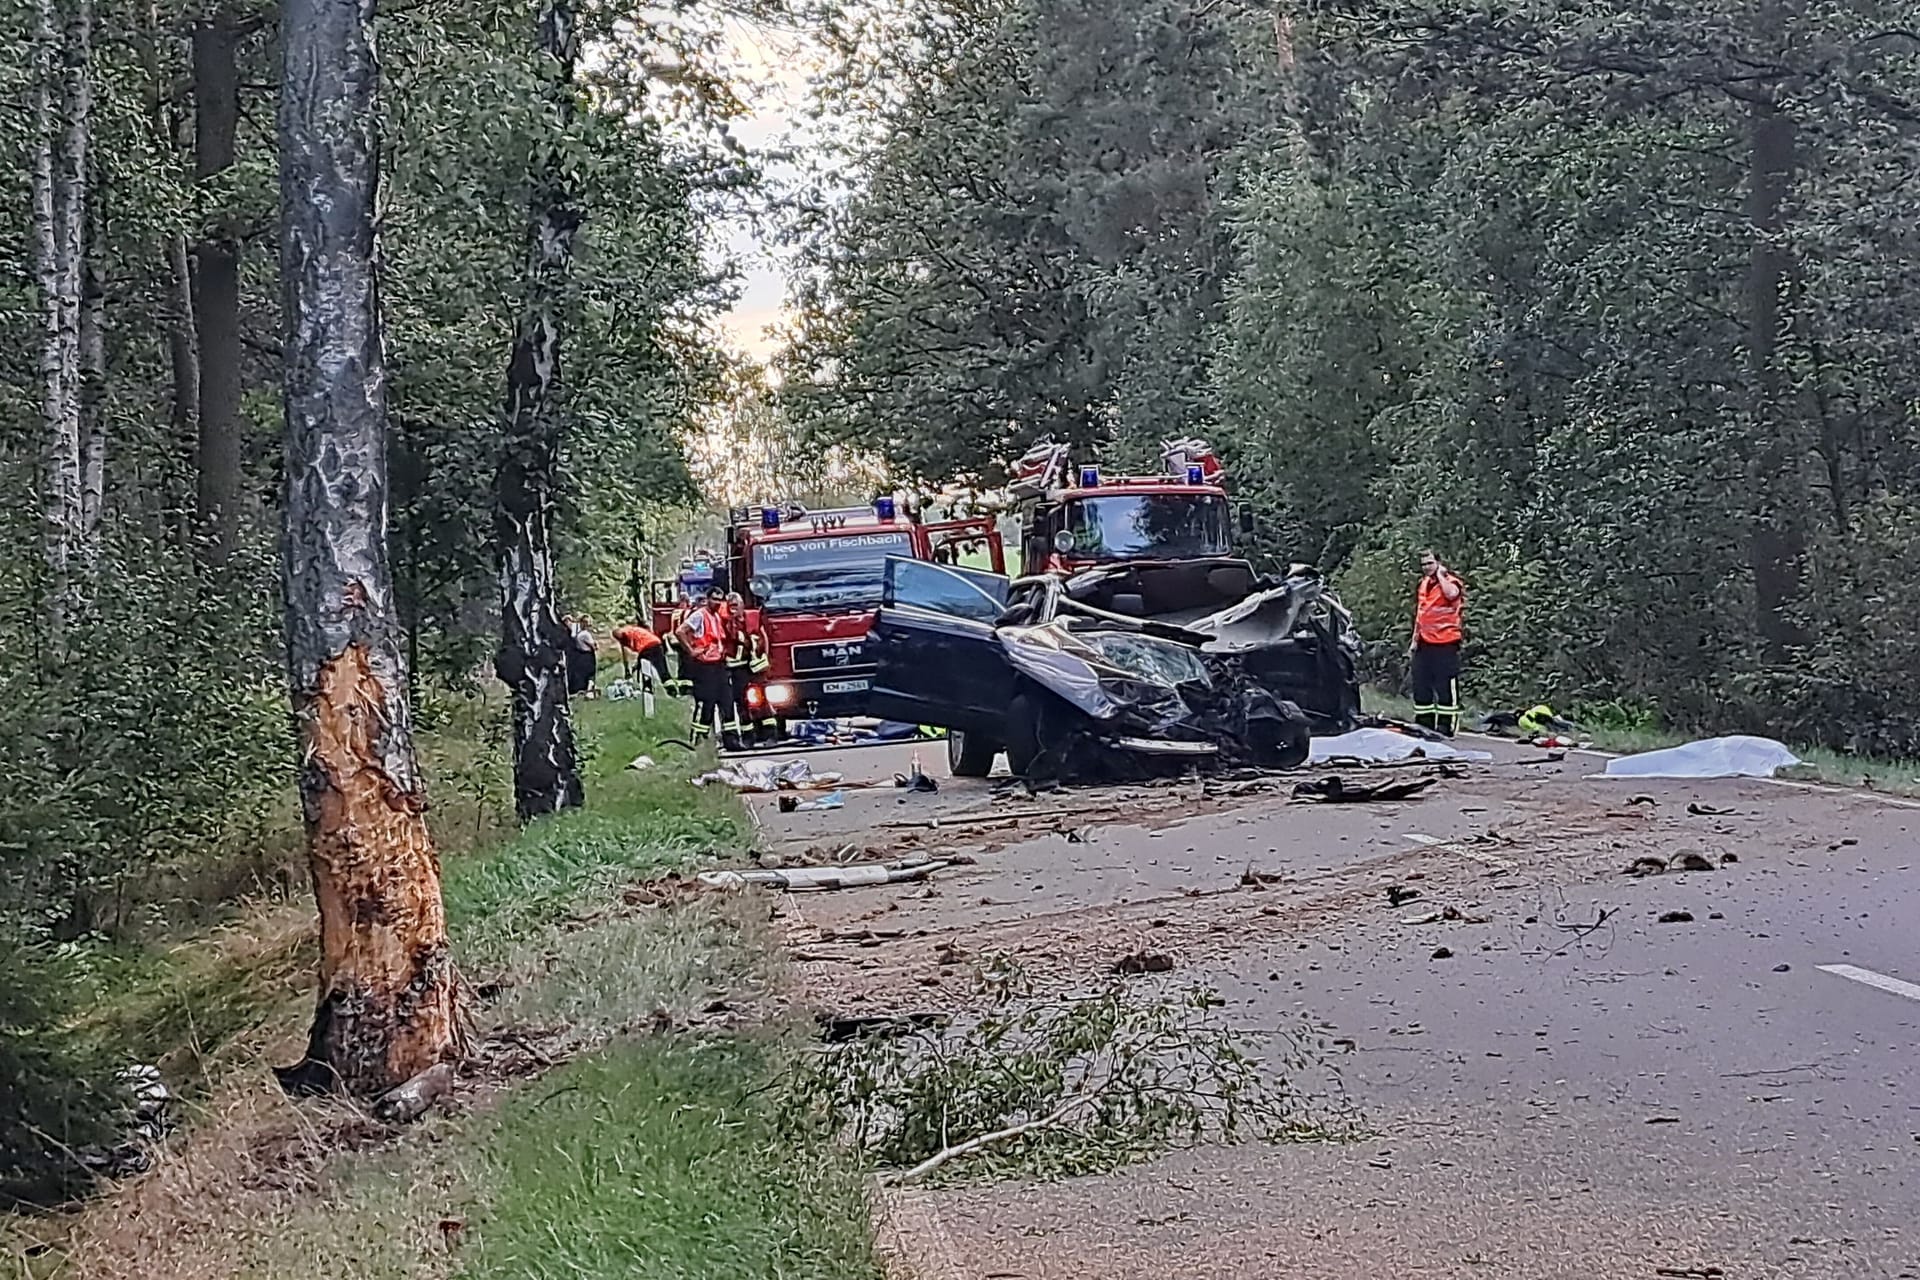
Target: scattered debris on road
{"points": [[1647, 865], [814, 879], [1443, 953], [1700, 810], [1398, 894], [1676, 917], [832, 800], [1337, 790], [770, 775], [1144, 962], [1445, 915]]}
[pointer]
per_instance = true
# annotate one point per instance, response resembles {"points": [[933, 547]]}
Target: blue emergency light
{"points": [[1196, 474], [883, 507], [769, 518], [1089, 477]]}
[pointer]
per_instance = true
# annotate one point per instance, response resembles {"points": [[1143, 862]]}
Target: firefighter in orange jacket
{"points": [[703, 636], [1438, 612]]}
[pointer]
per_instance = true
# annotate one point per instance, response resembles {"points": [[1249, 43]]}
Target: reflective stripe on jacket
{"points": [[1436, 619]]}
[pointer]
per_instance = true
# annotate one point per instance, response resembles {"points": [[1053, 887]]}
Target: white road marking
{"points": [[1880, 980]]}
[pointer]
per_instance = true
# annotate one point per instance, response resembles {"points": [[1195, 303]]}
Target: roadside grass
{"points": [[655, 1151], [1894, 775]]}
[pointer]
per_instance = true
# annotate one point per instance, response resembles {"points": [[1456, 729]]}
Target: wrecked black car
{"points": [[1118, 673]]}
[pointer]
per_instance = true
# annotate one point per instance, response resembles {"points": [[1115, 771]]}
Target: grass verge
{"points": [[652, 1152]]}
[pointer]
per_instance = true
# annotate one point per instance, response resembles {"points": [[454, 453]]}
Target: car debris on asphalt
{"points": [[816, 879], [769, 776], [1337, 790]]}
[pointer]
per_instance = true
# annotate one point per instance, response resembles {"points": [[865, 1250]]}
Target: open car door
{"points": [[970, 543], [937, 660]]}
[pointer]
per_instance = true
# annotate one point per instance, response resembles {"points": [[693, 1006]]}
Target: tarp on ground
{"points": [[1738, 756], [1384, 746]]}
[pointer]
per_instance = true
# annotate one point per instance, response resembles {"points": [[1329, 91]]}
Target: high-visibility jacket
{"points": [[635, 639], [707, 631], [1436, 619]]}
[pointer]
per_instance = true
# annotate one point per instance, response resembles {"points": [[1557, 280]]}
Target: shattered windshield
{"points": [[1148, 658], [1143, 526], [846, 571]]}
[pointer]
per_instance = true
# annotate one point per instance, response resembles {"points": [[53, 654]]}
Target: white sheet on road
{"points": [[1739, 756], [1384, 746]]}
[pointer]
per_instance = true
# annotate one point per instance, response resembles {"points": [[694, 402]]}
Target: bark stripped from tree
{"points": [[216, 293], [532, 660], [388, 990], [61, 119]]}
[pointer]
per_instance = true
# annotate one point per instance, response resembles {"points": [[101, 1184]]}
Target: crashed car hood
{"points": [[1107, 675]]}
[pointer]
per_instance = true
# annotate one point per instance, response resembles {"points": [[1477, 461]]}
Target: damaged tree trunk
{"points": [[533, 642], [388, 991]]}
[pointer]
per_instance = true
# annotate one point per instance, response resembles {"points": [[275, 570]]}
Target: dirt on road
{"points": [[1573, 1064]]}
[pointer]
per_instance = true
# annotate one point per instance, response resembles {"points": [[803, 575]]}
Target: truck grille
{"points": [[833, 655]]}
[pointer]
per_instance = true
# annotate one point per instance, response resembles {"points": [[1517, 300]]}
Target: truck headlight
{"points": [[779, 695]]}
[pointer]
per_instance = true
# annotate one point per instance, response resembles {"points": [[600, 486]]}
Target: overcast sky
{"points": [[773, 81]]}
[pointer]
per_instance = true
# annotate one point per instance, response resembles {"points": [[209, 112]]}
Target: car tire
{"points": [[970, 755], [1023, 733]]}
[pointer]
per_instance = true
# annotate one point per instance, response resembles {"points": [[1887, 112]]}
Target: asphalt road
{"points": [[1578, 1090]]}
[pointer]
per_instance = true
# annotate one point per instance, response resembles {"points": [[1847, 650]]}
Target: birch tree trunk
{"points": [[93, 385], [61, 109], [388, 991], [533, 642]]}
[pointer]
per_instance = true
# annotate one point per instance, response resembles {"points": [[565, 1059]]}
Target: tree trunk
{"points": [[388, 991], [183, 353], [533, 642], [1776, 548], [93, 384], [62, 56], [216, 295]]}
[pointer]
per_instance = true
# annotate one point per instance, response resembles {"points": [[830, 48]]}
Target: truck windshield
{"points": [[845, 571], [1149, 526]]}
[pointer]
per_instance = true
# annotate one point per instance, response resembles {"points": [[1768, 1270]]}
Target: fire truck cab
{"points": [[815, 580], [1076, 518]]}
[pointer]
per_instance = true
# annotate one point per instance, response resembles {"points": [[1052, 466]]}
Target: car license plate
{"points": [[846, 686]]}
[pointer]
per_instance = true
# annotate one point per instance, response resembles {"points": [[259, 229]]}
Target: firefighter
{"points": [[642, 648], [703, 636], [680, 685], [759, 662], [739, 674], [1439, 605]]}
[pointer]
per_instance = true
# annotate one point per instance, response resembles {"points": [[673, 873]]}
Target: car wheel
{"points": [[970, 755], [1023, 733]]}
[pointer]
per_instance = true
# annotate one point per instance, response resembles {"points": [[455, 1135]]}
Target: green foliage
{"points": [[1607, 302], [663, 1159], [57, 1097], [639, 822], [1103, 1080], [1036, 243]]}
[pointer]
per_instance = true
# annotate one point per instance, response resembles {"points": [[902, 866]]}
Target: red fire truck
{"points": [[1076, 517], [813, 581]]}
